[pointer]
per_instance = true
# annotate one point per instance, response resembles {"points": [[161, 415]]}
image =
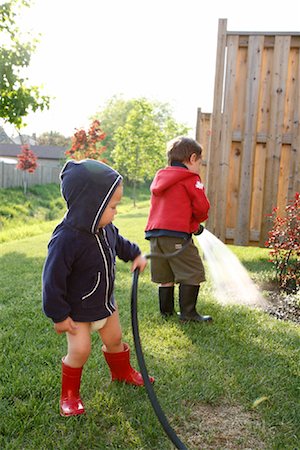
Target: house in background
{"points": [[24, 139], [19, 139], [50, 155], [47, 155], [50, 161], [4, 138]]}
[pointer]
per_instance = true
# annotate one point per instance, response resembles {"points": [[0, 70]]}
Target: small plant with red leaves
{"points": [[27, 159], [284, 242], [27, 162], [88, 144]]}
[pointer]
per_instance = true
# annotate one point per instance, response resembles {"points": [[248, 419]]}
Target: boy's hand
{"points": [[67, 325], [139, 262], [199, 231]]}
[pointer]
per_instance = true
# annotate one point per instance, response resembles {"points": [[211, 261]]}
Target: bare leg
{"points": [[111, 334], [79, 345]]}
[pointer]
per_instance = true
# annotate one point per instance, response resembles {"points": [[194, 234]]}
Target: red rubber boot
{"points": [[120, 368], [70, 401]]}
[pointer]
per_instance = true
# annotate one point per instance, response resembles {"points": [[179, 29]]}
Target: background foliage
{"points": [[137, 129], [18, 98], [53, 138]]}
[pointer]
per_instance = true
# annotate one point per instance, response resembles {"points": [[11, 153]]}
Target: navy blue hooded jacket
{"points": [[79, 271]]}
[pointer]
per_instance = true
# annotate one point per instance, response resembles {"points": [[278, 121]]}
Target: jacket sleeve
{"points": [[200, 203], [126, 250], [57, 267]]}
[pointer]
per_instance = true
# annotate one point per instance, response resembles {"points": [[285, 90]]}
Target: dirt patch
{"points": [[222, 427]]}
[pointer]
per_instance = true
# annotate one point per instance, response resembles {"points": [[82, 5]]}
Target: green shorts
{"points": [[185, 268]]}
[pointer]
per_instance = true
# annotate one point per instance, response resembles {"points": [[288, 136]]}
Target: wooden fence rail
{"points": [[253, 153]]}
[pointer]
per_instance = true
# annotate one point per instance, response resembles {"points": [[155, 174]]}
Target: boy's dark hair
{"points": [[181, 149]]}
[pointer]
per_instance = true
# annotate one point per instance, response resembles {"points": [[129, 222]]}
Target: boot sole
{"points": [[71, 415], [209, 321]]}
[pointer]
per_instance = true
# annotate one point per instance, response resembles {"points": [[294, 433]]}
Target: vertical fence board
{"points": [[291, 108], [212, 174], [274, 142], [294, 185], [283, 181], [238, 119], [238, 116], [233, 188], [1, 173], [257, 190], [226, 136], [263, 118], [255, 51], [203, 135]]}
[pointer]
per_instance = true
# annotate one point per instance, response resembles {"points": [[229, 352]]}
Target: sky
{"points": [[165, 50]]}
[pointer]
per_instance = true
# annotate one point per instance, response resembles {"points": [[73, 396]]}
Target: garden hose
{"points": [[140, 357]]}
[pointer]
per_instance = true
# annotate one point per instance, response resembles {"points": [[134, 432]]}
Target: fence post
{"points": [[213, 154]]}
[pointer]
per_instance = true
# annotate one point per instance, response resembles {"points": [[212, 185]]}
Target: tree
{"points": [[140, 143], [112, 116], [53, 138], [88, 144], [27, 162], [17, 97], [115, 112]]}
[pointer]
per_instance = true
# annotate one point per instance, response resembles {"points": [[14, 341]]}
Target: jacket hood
{"points": [[87, 186], [167, 177]]}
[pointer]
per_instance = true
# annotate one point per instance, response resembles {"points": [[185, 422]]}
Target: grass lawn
{"points": [[232, 385]]}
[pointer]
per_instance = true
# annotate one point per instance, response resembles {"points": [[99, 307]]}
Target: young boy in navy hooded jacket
{"points": [[79, 273], [178, 206]]}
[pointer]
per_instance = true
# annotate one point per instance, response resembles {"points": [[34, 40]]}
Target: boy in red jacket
{"points": [[178, 206]]}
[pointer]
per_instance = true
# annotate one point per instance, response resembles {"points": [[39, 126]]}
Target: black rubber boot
{"points": [[187, 301], [166, 300]]}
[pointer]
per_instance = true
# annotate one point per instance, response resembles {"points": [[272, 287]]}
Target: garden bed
{"points": [[281, 305], [284, 306]]}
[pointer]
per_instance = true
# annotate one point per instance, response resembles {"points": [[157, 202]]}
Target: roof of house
{"points": [[41, 151], [4, 138], [24, 139]]}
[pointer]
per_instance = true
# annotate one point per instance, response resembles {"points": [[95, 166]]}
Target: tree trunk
{"points": [[134, 193], [25, 181]]}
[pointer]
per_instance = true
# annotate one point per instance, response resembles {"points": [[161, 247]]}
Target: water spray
{"points": [[231, 281]]}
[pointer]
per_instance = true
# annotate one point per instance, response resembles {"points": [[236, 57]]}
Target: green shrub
{"points": [[42, 202]]}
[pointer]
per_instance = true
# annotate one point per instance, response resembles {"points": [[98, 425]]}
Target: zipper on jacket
{"points": [[110, 252], [108, 306]]}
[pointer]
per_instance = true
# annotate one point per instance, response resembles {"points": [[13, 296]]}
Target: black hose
{"points": [[140, 357]]}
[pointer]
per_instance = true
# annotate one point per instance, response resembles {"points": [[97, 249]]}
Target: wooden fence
{"points": [[11, 177], [253, 136]]}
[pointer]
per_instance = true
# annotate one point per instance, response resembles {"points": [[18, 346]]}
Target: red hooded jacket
{"points": [[178, 201]]}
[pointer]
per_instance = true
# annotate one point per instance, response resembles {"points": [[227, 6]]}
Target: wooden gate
{"points": [[253, 157]]}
